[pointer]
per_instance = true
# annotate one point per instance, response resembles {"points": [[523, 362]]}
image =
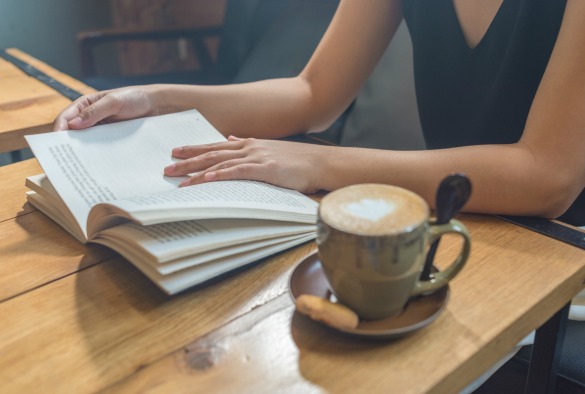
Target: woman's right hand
{"points": [[108, 106]]}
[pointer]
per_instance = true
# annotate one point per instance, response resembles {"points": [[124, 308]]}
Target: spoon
{"points": [[452, 194]]}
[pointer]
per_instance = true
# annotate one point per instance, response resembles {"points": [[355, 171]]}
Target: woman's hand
{"points": [[287, 164], [108, 106]]}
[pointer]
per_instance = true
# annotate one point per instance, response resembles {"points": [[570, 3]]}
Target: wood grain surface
{"points": [[28, 106], [13, 201], [82, 319]]}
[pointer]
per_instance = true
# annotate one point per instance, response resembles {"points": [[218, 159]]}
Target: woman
{"points": [[500, 87]]}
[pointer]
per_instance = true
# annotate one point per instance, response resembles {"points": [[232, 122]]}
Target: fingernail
{"points": [[61, 127], [209, 176], [76, 121], [177, 151], [185, 182], [170, 168]]}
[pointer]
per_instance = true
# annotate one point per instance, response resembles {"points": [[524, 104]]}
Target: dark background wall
{"points": [[46, 29]]}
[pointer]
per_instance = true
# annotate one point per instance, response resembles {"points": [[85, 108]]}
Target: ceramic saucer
{"points": [[308, 278]]}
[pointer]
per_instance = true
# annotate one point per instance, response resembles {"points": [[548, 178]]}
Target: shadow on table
{"points": [[329, 359], [127, 323]]}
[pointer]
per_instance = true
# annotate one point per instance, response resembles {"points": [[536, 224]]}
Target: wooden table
{"points": [[28, 106], [80, 318]]}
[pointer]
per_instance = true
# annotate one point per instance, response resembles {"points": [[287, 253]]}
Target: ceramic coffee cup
{"points": [[373, 240]]}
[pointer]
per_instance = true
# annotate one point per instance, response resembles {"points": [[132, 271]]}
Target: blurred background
{"points": [[47, 30], [111, 43]]}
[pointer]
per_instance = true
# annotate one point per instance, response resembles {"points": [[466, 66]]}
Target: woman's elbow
{"points": [[322, 109], [555, 198]]}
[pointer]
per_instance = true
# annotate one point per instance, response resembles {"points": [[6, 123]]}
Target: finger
{"points": [[60, 124], [202, 162], [186, 152], [238, 171], [72, 111], [194, 179], [234, 138], [95, 112]]}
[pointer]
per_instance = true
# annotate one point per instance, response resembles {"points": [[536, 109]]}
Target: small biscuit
{"points": [[320, 309]]}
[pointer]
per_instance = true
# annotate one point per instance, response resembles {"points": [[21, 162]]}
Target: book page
{"points": [[132, 253], [196, 274], [169, 241], [54, 213], [245, 199], [118, 160], [45, 198], [222, 253]]}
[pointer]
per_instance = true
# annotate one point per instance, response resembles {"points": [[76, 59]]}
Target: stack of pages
{"points": [[106, 185]]}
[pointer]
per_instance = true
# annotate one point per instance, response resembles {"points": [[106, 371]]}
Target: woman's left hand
{"points": [[287, 164]]}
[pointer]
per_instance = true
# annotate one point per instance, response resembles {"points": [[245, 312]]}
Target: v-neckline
{"points": [[485, 34]]}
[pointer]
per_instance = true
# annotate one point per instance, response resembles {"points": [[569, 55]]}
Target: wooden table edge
{"points": [[16, 141]]}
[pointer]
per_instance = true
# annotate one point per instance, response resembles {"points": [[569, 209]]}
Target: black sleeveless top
{"points": [[481, 95]]}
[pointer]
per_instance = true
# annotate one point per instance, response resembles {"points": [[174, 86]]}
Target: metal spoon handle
{"points": [[426, 271], [452, 194]]}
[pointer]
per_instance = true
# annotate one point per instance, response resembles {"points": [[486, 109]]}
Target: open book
{"points": [[106, 185]]}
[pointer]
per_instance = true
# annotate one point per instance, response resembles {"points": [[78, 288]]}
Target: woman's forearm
{"points": [[267, 109], [506, 178], [359, 31]]}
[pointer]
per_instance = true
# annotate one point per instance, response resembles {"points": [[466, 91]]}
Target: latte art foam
{"points": [[373, 209], [370, 209]]}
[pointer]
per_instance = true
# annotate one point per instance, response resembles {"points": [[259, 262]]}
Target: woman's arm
{"points": [[540, 175], [544, 172], [349, 50]]}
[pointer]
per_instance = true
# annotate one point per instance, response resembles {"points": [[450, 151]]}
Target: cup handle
{"points": [[441, 279]]}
